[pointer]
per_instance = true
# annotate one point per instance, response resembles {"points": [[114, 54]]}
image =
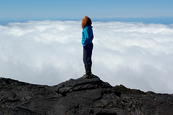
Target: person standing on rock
{"points": [[87, 37]]}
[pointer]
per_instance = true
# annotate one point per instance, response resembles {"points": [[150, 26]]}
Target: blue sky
{"points": [[76, 9]]}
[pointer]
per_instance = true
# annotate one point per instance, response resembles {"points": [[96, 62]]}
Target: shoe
{"points": [[93, 75], [86, 76], [89, 76]]}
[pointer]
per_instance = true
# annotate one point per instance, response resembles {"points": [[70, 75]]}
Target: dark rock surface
{"points": [[80, 97]]}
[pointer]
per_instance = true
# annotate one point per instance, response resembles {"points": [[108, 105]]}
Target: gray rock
{"points": [[80, 97]]}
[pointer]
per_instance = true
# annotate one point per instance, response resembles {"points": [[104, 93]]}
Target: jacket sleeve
{"points": [[85, 36], [86, 33]]}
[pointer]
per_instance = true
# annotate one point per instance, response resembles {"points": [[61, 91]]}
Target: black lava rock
{"points": [[80, 96]]}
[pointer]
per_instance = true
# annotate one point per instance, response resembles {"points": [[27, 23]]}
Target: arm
{"points": [[87, 36]]}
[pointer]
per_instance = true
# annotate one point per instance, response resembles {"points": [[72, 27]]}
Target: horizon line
{"points": [[155, 20]]}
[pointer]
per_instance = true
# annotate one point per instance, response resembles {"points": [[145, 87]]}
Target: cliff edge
{"points": [[80, 97]]}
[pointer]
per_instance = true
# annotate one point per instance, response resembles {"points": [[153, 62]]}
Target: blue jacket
{"points": [[87, 35]]}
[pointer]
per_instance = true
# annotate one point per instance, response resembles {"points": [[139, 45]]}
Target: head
{"points": [[86, 21]]}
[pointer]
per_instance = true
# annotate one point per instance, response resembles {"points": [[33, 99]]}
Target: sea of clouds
{"points": [[137, 55]]}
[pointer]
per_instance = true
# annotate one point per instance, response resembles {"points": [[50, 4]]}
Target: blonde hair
{"points": [[86, 21]]}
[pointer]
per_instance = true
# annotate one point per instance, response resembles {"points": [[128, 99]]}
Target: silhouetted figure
{"points": [[87, 37]]}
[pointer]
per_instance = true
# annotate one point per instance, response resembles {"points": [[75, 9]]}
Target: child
{"points": [[87, 37]]}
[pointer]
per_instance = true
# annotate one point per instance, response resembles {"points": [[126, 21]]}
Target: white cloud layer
{"points": [[136, 55]]}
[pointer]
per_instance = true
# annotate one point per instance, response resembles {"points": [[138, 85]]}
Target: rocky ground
{"points": [[80, 97]]}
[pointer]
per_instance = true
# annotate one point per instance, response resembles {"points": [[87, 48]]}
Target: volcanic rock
{"points": [[80, 96]]}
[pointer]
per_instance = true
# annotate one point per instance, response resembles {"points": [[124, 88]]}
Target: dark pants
{"points": [[87, 53]]}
